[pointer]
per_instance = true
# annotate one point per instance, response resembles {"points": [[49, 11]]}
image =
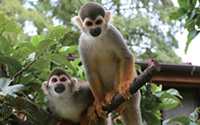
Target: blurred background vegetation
{"points": [[144, 24]]}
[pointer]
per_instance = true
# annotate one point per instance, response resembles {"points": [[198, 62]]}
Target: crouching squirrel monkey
{"points": [[108, 63], [70, 98]]}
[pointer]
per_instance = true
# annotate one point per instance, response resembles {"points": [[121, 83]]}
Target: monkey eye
{"points": [[54, 80], [98, 22], [89, 23], [63, 79]]}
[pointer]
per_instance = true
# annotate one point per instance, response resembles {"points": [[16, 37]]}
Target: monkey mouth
{"points": [[59, 89]]}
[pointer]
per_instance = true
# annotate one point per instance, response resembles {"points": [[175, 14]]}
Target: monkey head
{"points": [[58, 83], [92, 18]]}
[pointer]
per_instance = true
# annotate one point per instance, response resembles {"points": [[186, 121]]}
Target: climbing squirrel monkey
{"points": [[69, 98], [108, 63]]}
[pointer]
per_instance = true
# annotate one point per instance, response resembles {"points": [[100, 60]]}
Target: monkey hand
{"points": [[99, 109], [109, 98], [124, 89]]}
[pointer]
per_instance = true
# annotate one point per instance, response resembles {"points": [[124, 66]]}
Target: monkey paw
{"points": [[100, 111], [109, 97], [90, 116], [124, 90]]}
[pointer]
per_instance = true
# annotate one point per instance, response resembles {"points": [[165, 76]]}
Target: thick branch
{"points": [[138, 82]]}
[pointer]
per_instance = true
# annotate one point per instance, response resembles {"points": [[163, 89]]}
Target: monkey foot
{"points": [[100, 111], [124, 90], [109, 97], [90, 116]]}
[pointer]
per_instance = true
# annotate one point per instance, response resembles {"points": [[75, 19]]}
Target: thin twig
{"points": [[23, 69]]}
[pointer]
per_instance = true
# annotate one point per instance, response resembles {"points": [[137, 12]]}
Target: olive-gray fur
{"points": [[91, 10]]}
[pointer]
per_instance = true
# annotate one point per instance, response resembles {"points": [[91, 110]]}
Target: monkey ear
{"points": [[74, 80], [108, 16], [76, 21], [44, 87]]}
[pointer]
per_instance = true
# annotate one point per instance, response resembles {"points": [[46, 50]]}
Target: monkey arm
{"points": [[126, 75]]}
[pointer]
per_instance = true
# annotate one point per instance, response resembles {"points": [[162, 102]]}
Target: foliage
{"points": [[152, 104], [143, 24], [189, 13], [30, 63], [192, 120]]}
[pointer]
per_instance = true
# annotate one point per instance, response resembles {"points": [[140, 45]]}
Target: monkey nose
{"points": [[95, 32], [59, 88]]}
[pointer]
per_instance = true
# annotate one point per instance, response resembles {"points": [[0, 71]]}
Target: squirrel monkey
{"points": [[108, 63], [70, 98]]}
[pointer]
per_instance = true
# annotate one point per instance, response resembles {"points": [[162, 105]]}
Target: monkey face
{"points": [[94, 27], [59, 83]]}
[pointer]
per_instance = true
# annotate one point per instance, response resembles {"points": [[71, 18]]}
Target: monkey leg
{"points": [[131, 115]]}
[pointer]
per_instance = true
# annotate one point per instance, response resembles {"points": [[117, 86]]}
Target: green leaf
{"points": [[174, 92], [181, 119], [192, 4], [13, 65], [36, 39], [184, 4], [1, 17], [12, 27], [177, 14], [5, 82], [40, 64], [22, 53], [8, 25], [72, 49], [194, 115], [43, 45], [155, 88], [150, 118], [8, 111], [9, 90], [189, 39], [57, 33], [4, 46], [193, 33], [169, 101], [61, 60], [77, 61]]}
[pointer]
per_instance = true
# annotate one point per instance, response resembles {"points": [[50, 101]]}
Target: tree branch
{"points": [[136, 84], [23, 69], [40, 116]]}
